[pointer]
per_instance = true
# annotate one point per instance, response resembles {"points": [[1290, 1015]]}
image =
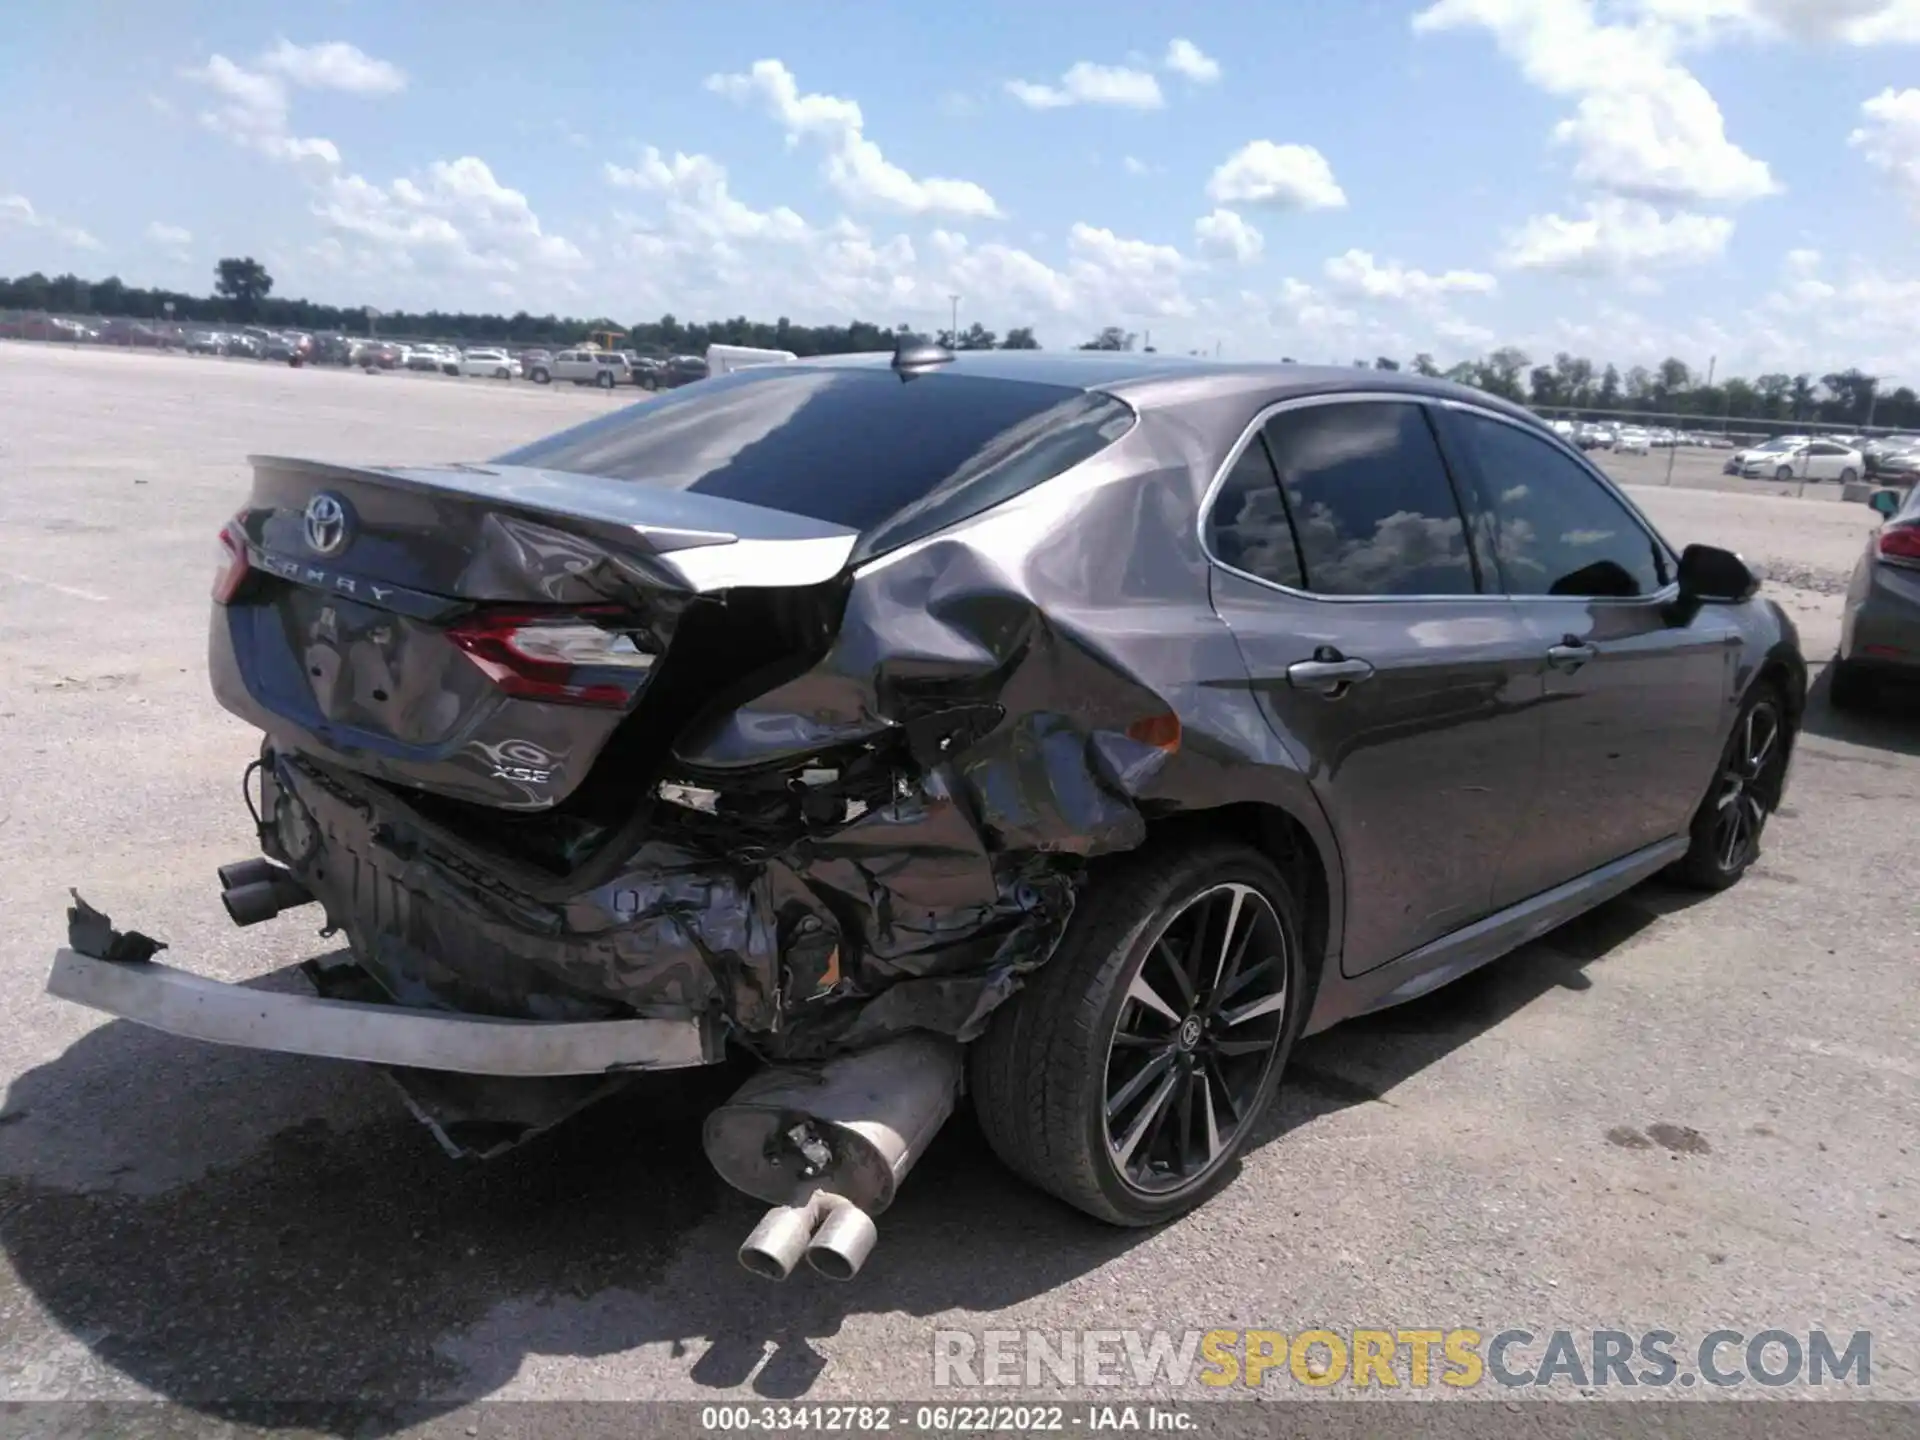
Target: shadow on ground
{"points": [[340, 1258], [1890, 722]]}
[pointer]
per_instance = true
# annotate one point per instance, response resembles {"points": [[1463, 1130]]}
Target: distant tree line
{"points": [[243, 295], [1571, 384]]}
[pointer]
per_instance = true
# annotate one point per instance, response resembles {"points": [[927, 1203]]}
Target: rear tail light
{"points": [[1900, 544], [568, 659], [234, 567]]}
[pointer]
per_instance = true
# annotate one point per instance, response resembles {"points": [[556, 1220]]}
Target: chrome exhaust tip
{"points": [[842, 1243], [778, 1241]]}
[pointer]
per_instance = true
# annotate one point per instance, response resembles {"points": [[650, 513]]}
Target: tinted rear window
{"points": [[894, 459]]}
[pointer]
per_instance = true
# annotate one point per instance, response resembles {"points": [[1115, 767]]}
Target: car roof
{"points": [[1148, 380]]}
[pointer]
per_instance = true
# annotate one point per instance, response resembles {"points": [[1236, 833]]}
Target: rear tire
{"points": [[540, 376], [1849, 687], [1785, 472], [1130, 1073], [1746, 788]]}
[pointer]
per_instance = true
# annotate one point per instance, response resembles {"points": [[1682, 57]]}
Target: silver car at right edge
{"points": [[1880, 629]]}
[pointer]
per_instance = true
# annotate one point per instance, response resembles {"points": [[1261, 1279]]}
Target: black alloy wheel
{"points": [[1133, 1069], [1194, 1042], [1746, 789]]}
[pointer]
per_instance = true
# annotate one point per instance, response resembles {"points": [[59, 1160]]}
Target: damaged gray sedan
{"points": [[1075, 732]]}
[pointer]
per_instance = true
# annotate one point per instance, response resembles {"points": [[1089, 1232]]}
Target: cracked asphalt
{"points": [[1677, 1113]]}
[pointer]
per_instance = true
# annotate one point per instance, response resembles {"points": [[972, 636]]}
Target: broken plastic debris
{"points": [[91, 933]]}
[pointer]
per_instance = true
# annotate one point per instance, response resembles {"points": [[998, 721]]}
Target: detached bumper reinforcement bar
{"points": [[179, 1003]]}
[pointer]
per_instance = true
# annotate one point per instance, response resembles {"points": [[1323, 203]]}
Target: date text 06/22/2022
{"points": [[943, 1419]]}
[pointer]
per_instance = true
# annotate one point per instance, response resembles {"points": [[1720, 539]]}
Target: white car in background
{"points": [[1632, 441], [493, 364], [1766, 450], [1808, 460]]}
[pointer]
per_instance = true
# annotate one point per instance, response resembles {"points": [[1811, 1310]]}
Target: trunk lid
{"points": [[482, 632]]}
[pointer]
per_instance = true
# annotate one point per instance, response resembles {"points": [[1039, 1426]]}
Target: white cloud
{"points": [[17, 212], [1643, 125], [1226, 235], [1851, 22], [1890, 138], [1616, 235], [1862, 316], [334, 65], [1288, 177], [253, 113], [854, 165], [456, 218], [1357, 273], [1136, 167], [1188, 59], [168, 237], [1088, 84], [695, 187]]}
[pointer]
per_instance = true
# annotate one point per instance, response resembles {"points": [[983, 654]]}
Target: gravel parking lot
{"points": [[1679, 1113]]}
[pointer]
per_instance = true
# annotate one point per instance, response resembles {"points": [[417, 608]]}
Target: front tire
{"points": [[1745, 791], [1849, 476], [1785, 472], [540, 377], [1133, 1069]]}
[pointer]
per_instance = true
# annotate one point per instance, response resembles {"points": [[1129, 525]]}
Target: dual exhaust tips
{"points": [[256, 890], [834, 1234], [827, 1146]]}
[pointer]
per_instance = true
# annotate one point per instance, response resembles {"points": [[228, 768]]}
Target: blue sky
{"points": [[1622, 178]]}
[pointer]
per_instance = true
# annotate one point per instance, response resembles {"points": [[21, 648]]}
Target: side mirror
{"points": [[1708, 573], [1887, 502]]}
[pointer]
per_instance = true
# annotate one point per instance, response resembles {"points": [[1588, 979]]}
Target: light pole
{"points": [[953, 329], [1873, 397]]}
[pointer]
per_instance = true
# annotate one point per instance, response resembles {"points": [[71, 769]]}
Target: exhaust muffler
{"points": [[827, 1147]]}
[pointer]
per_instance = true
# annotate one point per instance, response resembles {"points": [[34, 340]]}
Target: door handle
{"points": [[1327, 677], [1570, 654]]}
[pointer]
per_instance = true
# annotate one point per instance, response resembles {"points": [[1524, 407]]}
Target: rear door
{"points": [[1636, 690], [1405, 690]]}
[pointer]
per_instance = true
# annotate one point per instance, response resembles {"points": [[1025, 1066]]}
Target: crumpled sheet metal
{"points": [[90, 932], [1012, 723]]}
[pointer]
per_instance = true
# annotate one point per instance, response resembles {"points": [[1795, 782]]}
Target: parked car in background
{"points": [[605, 368], [1632, 441], [205, 342], [681, 370], [1898, 468], [1875, 451], [421, 357], [1807, 460], [494, 364], [1766, 449], [1880, 625]]}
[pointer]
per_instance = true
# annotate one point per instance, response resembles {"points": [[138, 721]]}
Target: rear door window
{"points": [[862, 448], [1556, 529], [1372, 507]]}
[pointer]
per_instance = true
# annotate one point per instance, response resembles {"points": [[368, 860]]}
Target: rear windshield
{"points": [[892, 458]]}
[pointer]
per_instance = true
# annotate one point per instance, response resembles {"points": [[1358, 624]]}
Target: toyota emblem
{"points": [[326, 524]]}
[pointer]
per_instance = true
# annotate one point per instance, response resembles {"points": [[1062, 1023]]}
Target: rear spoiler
{"points": [[705, 542]]}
